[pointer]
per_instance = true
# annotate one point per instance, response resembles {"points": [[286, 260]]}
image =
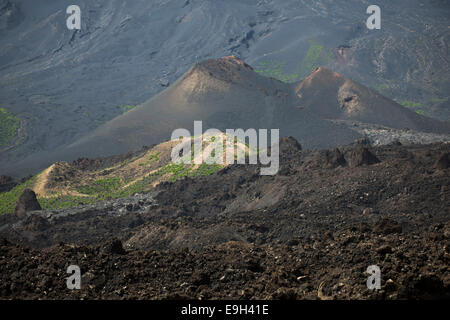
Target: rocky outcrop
{"points": [[27, 202], [443, 162], [361, 156], [6, 183], [289, 146], [113, 246], [335, 158]]}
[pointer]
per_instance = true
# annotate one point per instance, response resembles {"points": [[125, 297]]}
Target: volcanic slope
{"points": [[223, 93], [227, 93], [333, 96]]}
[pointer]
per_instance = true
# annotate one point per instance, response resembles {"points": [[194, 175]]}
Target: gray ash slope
{"points": [[330, 95], [62, 84], [227, 93]]}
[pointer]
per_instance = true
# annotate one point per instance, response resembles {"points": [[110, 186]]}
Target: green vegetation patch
{"points": [[9, 125], [102, 186], [412, 104], [316, 56], [176, 172], [420, 111], [141, 186], [206, 169], [275, 70], [105, 189], [380, 87], [417, 107], [114, 188], [8, 200], [59, 202], [126, 108], [154, 157], [179, 171]]}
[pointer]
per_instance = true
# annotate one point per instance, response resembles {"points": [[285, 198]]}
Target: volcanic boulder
{"points": [[443, 162], [334, 158], [27, 202], [289, 145], [113, 246], [361, 156], [289, 150]]}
